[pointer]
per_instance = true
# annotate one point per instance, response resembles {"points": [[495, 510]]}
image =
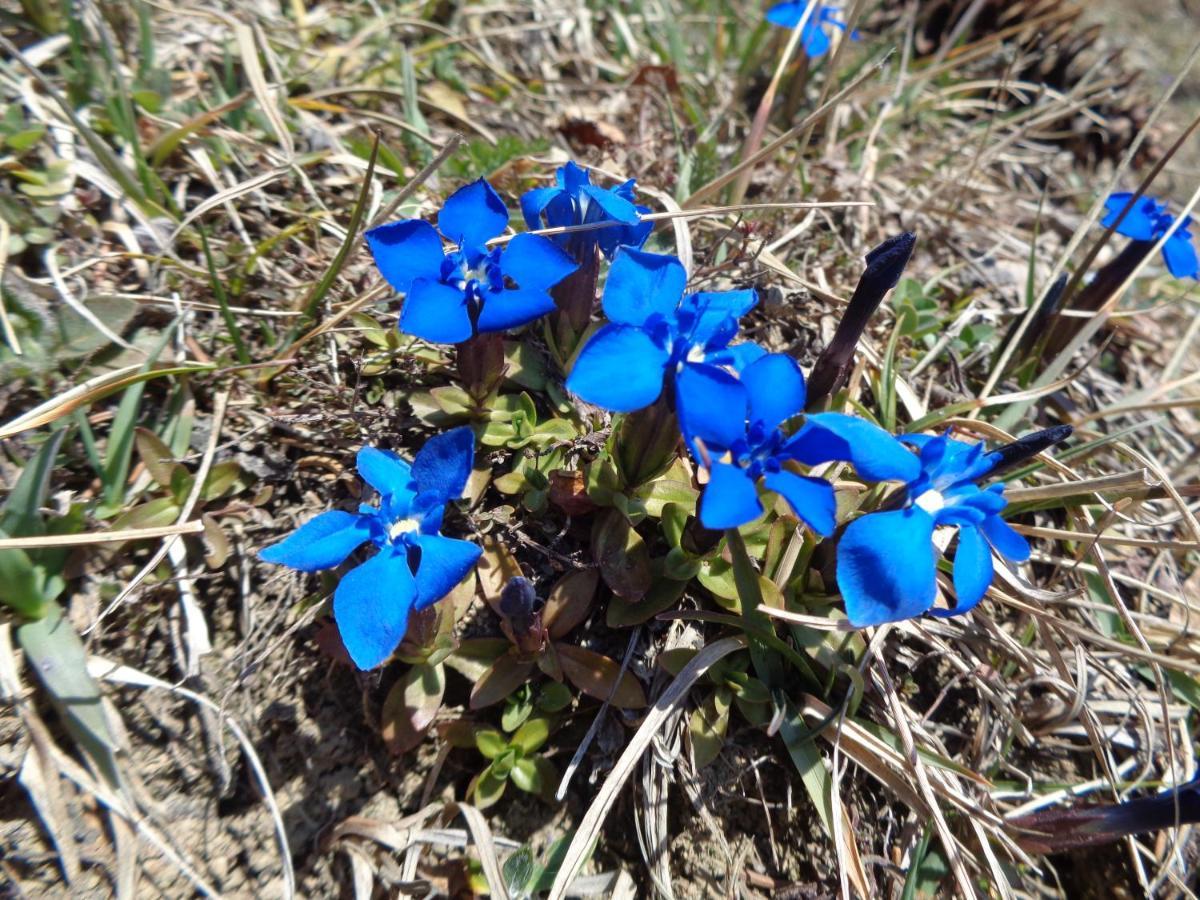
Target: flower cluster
{"points": [[814, 36], [1146, 220], [734, 403], [746, 415]]}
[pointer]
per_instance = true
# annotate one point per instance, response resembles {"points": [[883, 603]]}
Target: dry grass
{"points": [[192, 264]]}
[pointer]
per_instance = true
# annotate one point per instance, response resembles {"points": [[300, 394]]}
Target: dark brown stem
{"points": [[1094, 295]]}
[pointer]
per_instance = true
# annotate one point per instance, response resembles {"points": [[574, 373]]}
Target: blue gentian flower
{"points": [[814, 35], [574, 200], [654, 330], [453, 295], [1149, 220], [733, 426], [415, 566], [886, 567]]}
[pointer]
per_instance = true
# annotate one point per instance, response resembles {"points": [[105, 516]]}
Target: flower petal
{"points": [[443, 465], [730, 498], [534, 203], [1139, 223], [473, 215], [786, 15], [405, 251], [510, 309], [816, 41], [613, 206], [876, 455], [642, 284], [712, 316], [385, 471], [1007, 542], [1180, 255], [371, 606], [320, 543], [436, 313], [536, 262], [444, 563], [620, 369], [711, 405], [736, 357], [885, 567], [972, 572], [776, 388], [812, 499]]}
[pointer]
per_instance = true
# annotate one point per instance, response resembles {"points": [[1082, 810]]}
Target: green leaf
{"points": [[525, 366], [488, 788], [663, 595], [153, 514], [657, 494], [532, 735], [23, 584], [708, 725], [23, 140], [490, 742], [56, 655], [222, 479], [503, 764], [553, 697], [644, 443], [157, 457], [517, 708], [21, 513], [519, 870], [552, 862], [716, 576], [534, 775]]}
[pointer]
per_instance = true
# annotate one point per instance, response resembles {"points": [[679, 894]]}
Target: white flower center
{"points": [[931, 501], [402, 527], [696, 354]]}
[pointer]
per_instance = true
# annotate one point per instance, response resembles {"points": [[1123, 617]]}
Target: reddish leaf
{"points": [[570, 601], [503, 677], [411, 706], [495, 568], [595, 675], [568, 491], [329, 642], [622, 556]]}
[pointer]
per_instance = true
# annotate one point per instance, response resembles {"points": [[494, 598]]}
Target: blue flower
{"points": [[813, 35], [886, 564], [574, 200], [733, 426], [415, 566], [452, 296], [1149, 220], [654, 330]]}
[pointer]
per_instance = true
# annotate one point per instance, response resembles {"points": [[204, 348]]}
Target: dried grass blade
{"points": [[100, 537], [92, 390], [592, 821], [481, 834]]}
